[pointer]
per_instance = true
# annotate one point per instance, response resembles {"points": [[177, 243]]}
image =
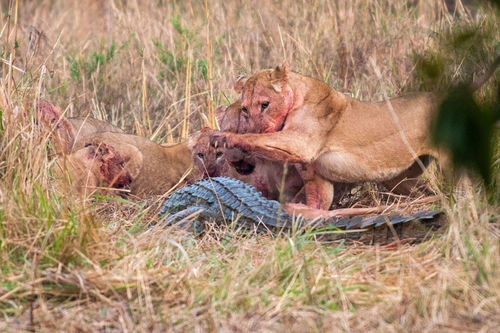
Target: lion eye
{"points": [[201, 155], [244, 110], [264, 105], [218, 154]]}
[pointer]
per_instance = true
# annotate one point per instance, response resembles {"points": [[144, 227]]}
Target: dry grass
{"points": [[157, 68]]}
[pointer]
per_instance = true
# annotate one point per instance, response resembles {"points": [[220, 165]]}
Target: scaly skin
{"points": [[226, 199], [223, 198]]}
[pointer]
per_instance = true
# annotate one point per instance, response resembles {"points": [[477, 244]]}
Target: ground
{"points": [[158, 69]]}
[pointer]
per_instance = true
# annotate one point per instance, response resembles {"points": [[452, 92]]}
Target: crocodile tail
{"points": [[363, 222]]}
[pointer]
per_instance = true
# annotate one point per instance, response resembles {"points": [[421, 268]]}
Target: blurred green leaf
{"points": [[466, 129], [464, 123]]}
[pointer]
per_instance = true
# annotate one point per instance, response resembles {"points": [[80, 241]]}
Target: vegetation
{"points": [[158, 68]]}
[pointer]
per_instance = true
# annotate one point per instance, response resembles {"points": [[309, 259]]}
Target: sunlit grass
{"points": [[146, 66]]}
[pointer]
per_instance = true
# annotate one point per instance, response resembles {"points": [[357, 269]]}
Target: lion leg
{"points": [[78, 170], [284, 146], [407, 181], [318, 191]]}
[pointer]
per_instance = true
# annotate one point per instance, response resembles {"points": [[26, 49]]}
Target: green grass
{"points": [[68, 264]]}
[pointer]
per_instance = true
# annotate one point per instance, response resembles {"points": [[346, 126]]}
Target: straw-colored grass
{"points": [[158, 69]]}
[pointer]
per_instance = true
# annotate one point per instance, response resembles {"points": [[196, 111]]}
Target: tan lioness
{"points": [[302, 120], [273, 179], [93, 153], [127, 161]]}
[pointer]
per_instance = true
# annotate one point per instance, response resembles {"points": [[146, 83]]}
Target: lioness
{"points": [[93, 153], [273, 179], [141, 165], [299, 119]]}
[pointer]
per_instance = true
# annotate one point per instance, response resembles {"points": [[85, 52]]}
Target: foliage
{"points": [[465, 124]]}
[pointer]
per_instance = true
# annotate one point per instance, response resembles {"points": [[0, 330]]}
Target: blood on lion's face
{"points": [[267, 98], [208, 159]]}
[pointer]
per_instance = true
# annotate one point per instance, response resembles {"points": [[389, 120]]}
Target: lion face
{"points": [[267, 98], [208, 158]]}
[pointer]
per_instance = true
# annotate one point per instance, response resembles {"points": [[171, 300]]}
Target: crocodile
{"points": [[227, 200]]}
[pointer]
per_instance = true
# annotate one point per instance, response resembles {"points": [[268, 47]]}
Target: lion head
{"points": [[266, 99]]}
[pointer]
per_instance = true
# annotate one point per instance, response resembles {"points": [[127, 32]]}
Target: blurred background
{"points": [[159, 68], [150, 65]]}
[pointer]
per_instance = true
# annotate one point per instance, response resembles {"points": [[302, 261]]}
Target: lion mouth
{"points": [[243, 168]]}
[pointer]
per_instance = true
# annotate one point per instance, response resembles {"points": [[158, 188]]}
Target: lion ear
{"points": [[191, 141], [48, 113], [206, 130], [276, 87], [193, 138], [281, 72], [239, 83]]}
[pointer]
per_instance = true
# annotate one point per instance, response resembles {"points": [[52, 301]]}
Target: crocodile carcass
{"points": [[227, 200]]}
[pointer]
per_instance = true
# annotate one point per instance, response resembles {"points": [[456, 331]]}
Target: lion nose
{"points": [[253, 127], [212, 171]]}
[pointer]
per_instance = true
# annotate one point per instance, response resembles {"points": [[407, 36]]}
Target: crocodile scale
{"points": [[227, 199]]}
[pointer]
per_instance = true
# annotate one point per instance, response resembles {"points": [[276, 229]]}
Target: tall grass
{"points": [[158, 68]]}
